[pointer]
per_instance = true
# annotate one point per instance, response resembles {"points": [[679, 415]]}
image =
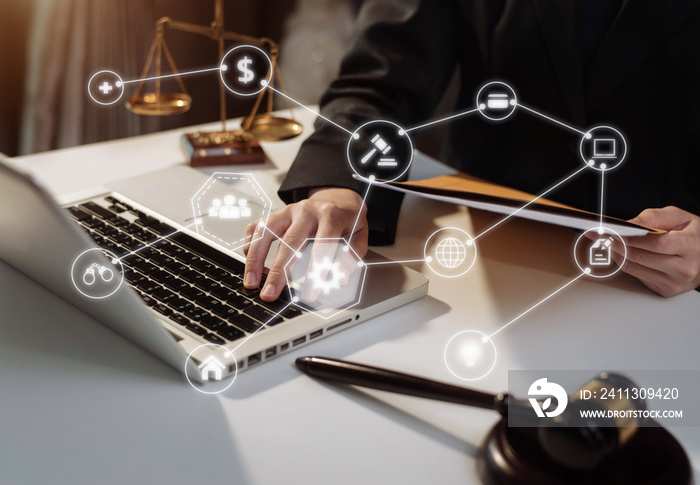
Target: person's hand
{"points": [[327, 213], [668, 264]]}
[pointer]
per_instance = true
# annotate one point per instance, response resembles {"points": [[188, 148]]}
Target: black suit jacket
{"points": [[644, 80]]}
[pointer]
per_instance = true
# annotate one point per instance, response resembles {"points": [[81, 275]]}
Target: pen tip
{"points": [[303, 363]]}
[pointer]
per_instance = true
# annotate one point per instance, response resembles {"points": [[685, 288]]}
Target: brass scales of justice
{"points": [[223, 147]]}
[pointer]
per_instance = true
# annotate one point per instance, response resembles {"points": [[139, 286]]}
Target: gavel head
{"points": [[606, 446], [591, 429]]}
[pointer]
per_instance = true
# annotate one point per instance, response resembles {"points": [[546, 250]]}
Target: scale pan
{"points": [[160, 105], [266, 127]]}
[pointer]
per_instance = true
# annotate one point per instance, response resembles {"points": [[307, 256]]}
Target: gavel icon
{"points": [[564, 450]]}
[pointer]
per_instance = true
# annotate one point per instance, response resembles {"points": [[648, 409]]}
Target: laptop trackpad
{"points": [[226, 207], [168, 192]]}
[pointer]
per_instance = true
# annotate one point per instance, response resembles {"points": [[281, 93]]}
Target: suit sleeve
{"points": [[400, 58]]}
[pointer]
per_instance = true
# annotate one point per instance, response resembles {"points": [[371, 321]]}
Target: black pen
{"points": [[400, 383]]}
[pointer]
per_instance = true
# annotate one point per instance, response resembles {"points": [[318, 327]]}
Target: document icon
{"points": [[600, 252]]}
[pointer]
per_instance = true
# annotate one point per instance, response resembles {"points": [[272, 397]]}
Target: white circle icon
{"points": [[105, 87], [246, 70], [450, 252], [496, 101], [603, 148], [593, 252], [470, 355], [214, 371], [380, 150], [97, 273]]}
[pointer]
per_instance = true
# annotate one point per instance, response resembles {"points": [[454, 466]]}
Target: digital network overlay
{"points": [[326, 276]]}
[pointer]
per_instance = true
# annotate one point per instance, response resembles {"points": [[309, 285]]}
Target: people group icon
{"points": [[230, 209]]}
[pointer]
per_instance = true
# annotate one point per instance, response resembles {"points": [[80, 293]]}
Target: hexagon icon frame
{"points": [[358, 294], [255, 188]]}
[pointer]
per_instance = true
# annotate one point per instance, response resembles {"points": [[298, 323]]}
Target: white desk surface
{"points": [[79, 404]]}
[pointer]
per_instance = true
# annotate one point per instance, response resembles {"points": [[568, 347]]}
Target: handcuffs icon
{"points": [[105, 273]]}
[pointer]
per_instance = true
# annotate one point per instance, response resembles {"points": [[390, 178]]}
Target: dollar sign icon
{"points": [[246, 74]]}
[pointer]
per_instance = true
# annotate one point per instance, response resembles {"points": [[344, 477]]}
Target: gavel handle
{"points": [[400, 383]]}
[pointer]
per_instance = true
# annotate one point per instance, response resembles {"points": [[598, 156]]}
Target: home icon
{"points": [[211, 365]]}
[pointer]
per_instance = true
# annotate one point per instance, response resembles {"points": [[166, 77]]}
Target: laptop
{"points": [[180, 292]]}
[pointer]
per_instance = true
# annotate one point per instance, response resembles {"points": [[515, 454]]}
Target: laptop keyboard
{"points": [[183, 279]]}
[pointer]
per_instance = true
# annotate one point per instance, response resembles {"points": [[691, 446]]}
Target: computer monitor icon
{"points": [[604, 148]]}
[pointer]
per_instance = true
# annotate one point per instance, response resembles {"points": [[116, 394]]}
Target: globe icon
{"points": [[450, 252]]}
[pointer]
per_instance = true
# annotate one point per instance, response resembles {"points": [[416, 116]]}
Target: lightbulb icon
{"points": [[470, 353]]}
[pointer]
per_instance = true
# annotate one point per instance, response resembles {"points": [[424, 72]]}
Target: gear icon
{"points": [[329, 283]]}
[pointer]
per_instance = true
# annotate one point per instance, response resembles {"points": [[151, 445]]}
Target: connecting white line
{"points": [[405, 261], [359, 212], [370, 180], [602, 191], [309, 109], [533, 200], [249, 242], [279, 238], [441, 120], [187, 73], [277, 314], [537, 304], [153, 242], [551, 119]]}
